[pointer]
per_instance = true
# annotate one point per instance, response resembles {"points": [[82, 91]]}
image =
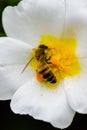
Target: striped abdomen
{"points": [[46, 73]]}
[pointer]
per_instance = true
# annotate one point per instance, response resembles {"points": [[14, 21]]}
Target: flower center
{"points": [[55, 59]]}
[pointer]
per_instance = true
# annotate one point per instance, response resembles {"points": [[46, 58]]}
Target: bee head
{"points": [[43, 46]]}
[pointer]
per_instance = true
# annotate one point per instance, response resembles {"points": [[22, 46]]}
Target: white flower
{"points": [[25, 26]]}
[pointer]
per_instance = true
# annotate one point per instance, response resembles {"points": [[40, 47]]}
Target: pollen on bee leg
{"points": [[39, 77], [55, 62]]}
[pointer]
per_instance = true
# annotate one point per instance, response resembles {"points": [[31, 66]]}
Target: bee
{"points": [[43, 67]]}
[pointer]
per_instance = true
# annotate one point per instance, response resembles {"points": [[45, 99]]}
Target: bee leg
{"points": [[48, 60]]}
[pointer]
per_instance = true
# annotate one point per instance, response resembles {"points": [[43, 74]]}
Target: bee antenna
{"points": [[27, 64]]}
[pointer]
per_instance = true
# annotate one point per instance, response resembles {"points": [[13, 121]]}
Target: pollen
{"points": [[39, 77], [55, 62], [61, 58]]}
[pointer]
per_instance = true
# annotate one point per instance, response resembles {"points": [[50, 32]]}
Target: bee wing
{"points": [[27, 64]]}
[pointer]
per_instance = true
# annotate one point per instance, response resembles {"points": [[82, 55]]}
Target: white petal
{"points": [[32, 18], [43, 103], [13, 57], [11, 79], [76, 26], [76, 89], [76, 23], [13, 51]]}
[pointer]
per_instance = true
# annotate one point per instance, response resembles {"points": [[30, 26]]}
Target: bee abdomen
{"points": [[50, 77], [47, 74], [44, 70]]}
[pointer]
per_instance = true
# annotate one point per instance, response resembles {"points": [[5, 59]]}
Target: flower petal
{"points": [[76, 23], [11, 79], [14, 51], [34, 18], [76, 26], [76, 89], [13, 57], [43, 103]]}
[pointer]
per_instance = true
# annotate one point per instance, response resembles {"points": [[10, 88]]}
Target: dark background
{"points": [[11, 121]]}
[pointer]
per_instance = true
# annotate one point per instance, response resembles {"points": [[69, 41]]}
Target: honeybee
{"points": [[43, 67]]}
